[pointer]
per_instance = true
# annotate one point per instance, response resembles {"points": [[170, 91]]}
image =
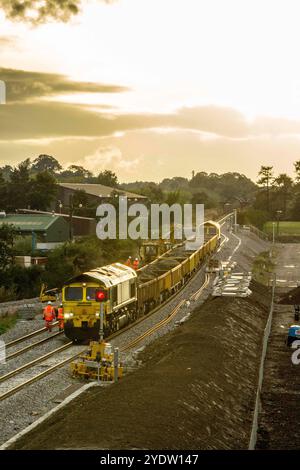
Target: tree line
{"points": [[34, 185], [278, 196]]}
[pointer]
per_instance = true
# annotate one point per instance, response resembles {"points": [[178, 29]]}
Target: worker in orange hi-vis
{"points": [[136, 264], [60, 318], [128, 262], [49, 316]]}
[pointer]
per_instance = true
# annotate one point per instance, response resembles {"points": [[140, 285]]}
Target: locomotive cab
{"points": [[117, 285]]}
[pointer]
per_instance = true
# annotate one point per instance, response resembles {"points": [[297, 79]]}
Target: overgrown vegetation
{"points": [[18, 282], [263, 268], [7, 322]]}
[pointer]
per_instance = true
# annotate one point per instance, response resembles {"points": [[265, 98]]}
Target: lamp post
{"points": [[273, 227], [278, 214], [60, 205]]}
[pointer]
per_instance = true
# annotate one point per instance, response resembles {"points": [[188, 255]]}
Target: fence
{"points": [[267, 331], [259, 233]]}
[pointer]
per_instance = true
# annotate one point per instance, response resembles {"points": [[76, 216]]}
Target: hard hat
{"points": [[136, 259], [49, 303], [129, 257], [60, 305]]}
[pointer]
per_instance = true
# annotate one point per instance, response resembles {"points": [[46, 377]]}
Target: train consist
{"points": [[128, 294]]}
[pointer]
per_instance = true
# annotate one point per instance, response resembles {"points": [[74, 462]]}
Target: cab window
{"points": [[73, 293], [90, 293]]}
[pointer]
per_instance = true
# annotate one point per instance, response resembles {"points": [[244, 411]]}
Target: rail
{"points": [[30, 335]]}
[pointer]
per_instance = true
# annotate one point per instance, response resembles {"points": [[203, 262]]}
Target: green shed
{"points": [[47, 231]]}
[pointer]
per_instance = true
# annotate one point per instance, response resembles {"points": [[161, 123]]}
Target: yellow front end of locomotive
{"points": [[81, 311]]}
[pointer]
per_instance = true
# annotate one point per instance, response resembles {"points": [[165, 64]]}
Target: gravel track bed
{"points": [[22, 328], [32, 354], [20, 410]]}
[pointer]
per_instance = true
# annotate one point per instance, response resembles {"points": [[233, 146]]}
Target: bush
{"points": [[254, 217]]}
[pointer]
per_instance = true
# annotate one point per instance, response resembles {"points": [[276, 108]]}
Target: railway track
{"points": [[197, 294], [30, 335], [154, 328], [30, 364], [37, 377], [31, 346], [60, 364]]}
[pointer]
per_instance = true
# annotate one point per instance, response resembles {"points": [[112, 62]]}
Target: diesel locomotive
{"points": [[129, 294]]}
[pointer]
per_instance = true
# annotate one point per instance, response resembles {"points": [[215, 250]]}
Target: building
{"points": [[81, 226], [95, 194], [46, 230], [64, 206]]}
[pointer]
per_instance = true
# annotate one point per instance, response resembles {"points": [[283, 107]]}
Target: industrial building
{"points": [[95, 193], [46, 231]]}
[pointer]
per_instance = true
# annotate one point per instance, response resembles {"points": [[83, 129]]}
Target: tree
{"points": [[76, 171], [40, 12], [19, 186], [172, 184], [3, 193], [152, 191], [265, 180], [108, 178], [284, 186], [45, 163], [43, 191], [297, 170], [201, 197], [8, 234], [6, 172]]}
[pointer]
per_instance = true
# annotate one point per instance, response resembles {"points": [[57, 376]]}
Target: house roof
{"points": [[30, 222], [99, 190]]}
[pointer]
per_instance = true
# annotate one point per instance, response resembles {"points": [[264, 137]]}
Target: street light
{"points": [[278, 214], [60, 205]]}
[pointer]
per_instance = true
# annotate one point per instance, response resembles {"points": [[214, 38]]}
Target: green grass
{"points": [[7, 322], [285, 228]]}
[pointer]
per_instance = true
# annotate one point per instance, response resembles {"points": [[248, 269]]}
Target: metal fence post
{"points": [[116, 364]]}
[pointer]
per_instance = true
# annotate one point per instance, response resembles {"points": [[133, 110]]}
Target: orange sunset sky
{"points": [[155, 88]]}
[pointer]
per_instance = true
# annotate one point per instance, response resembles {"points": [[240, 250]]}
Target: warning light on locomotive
{"points": [[100, 295]]}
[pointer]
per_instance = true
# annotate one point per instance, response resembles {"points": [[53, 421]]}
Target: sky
{"points": [[155, 88]]}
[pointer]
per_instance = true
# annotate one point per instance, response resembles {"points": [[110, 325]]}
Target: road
{"points": [[288, 265], [280, 404]]}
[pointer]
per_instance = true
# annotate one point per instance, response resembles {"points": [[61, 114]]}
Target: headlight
{"points": [[68, 315]]}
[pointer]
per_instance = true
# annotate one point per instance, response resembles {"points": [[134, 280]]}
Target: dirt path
{"points": [[280, 413]]}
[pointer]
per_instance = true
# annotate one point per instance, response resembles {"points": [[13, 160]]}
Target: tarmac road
{"points": [[288, 265], [280, 406]]}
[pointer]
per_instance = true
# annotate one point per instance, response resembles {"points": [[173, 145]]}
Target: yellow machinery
{"points": [[97, 364], [152, 249], [50, 295]]}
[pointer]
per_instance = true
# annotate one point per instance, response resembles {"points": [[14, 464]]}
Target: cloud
{"points": [[148, 155], [25, 85], [7, 41], [109, 157], [28, 115], [36, 12]]}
